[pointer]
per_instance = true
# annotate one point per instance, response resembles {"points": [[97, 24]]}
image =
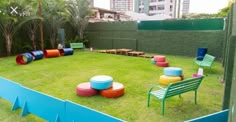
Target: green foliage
{"points": [[79, 11], [59, 77], [222, 13], [54, 14], [13, 16]]}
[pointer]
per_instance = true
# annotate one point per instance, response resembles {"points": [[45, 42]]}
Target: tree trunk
{"points": [[52, 39], [32, 38], [8, 44], [81, 34]]}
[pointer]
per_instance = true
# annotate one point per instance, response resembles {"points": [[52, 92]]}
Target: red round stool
{"points": [[159, 58], [84, 89], [117, 90], [162, 64]]}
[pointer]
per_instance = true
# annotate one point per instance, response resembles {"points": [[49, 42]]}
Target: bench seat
{"points": [[77, 45]]}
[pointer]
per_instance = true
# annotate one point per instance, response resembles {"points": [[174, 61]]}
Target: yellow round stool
{"points": [[165, 80]]}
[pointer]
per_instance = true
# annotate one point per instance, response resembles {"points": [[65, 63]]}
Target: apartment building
{"points": [[121, 5], [172, 8]]}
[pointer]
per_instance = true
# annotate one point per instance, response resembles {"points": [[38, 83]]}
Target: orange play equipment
{"points": [[51, 53]]}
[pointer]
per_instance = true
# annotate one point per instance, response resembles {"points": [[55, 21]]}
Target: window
{"points": [[151, 8], [153, 0], [160, 7], [171, 8], [171, 1], [140, 10], [161, 0]]}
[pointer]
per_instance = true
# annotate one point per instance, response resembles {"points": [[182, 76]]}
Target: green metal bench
{"points": [[77, 45], [173, 89], [206, 62]]}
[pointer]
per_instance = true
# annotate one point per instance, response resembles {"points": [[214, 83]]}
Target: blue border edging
{"points": [[47, 107], [221, 116]]}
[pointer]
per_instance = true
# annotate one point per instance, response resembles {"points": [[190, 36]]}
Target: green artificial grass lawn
{"points": [[59, 77]]}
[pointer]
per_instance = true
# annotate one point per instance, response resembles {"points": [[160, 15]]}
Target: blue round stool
{"points": [[173, 71], [101, 82]]}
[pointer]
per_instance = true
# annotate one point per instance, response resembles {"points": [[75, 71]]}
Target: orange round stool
{"points": [[85, 90], [117, 90]]}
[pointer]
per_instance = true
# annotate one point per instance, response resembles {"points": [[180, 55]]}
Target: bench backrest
{"points": [[208, 59], [180, 87], [76, 45]]}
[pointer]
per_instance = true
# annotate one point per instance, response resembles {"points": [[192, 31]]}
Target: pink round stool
{"points": [[160, 58], [162, 64], [85, 90]]}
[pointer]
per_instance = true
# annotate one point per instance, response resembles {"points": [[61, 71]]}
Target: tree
{"points": [[54, 14], [79, 11], [12, 18], [224, 11]]}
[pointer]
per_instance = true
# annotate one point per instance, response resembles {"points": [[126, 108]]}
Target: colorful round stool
{"points": [[153, 61], [84, 89], [162, 64], [117, 90], [173, 71], [101, 82], [159, 58], [166, 80]]}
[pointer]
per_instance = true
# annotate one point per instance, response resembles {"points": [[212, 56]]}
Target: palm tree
{"points": [[12, 19], [79, 11], [54, 16]]}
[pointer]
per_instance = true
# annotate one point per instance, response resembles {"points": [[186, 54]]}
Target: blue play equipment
{"points": [[201, 53], [24, 58], [66, 51], [38, 54], [47, 107]]}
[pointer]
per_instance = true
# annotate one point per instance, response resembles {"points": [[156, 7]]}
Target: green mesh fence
{"points": [[196, 24]]}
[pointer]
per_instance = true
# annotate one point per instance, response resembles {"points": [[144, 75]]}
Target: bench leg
{"points": [[163, 107], [195, 99], [148, 100]]}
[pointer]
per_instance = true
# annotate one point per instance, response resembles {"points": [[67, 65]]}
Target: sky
{"points": [[196, 6], [207, 6]]}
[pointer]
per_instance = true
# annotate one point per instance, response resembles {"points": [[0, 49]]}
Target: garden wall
{"points": [[176, 37], [229, 63]]}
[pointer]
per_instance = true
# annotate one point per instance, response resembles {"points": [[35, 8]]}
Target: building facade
{"points": [[172, 8], [121, 5]]}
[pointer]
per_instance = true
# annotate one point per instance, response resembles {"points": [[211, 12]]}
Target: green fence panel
{"points": [[196, 24], [101, 43], [124, 43]]}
